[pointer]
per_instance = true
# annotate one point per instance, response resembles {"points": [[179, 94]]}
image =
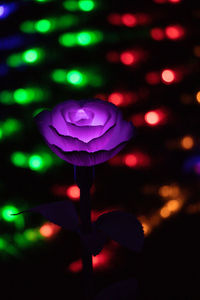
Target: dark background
{"points": [[168, 266]]}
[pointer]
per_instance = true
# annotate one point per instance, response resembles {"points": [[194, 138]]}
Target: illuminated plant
{"points": [[86, 133]]}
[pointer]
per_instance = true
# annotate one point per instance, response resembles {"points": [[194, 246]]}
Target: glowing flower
{"points": [[85, 132]]}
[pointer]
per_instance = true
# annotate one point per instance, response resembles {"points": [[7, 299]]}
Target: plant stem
{"points": [[84, 179]]}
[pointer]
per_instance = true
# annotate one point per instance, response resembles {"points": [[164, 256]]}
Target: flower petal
{"points": [[83, 158], [58, 120]]}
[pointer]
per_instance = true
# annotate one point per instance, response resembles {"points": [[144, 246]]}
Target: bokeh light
{"points": [[43, 26], [152, 118], [127, 58], [36, 162], [73, 192], [168, 76], [7, 212], [86, 5], [174, 32], [187, 142], [129, 20], [157, 34]]}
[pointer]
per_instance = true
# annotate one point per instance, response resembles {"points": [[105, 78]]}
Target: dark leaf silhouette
{"points": [[122, 227], [94, 241], [123, 290], [62, 213]]}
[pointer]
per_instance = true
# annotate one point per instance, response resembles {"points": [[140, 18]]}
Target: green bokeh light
{"points": [[1, 133], [84, 38], [31, 56], [25, 96], [10, 126], [59, 75], [14, 60], [6, 97], [3, 243], [31, 235], [86, 5], [7, 212], [75, 77], [21, 96], [43, 25], [70, 5], [27, 27], [68, 39], [19, 159], [36, 162]]}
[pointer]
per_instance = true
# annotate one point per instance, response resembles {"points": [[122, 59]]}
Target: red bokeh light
{"points": [[130, 160], [152, 118], [112, 56], [49, 229], [138, 120], [100, 261], [152, 78], [129, 20], [76, 266], [168, 76], [127, 58], [116, 98], [157, 34], [73, 192], [114, 19], [160, 1], [175, 1], [59, 190], [115, 161], [174, 32]]}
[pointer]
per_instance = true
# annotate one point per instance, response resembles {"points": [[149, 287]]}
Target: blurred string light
{"points": [[134, 159], [167, 1], [198, 96], [174, 199], [49, 230], [6, 9], [45, 26], [155, 117], [23, 96], [157, 34], [187, 142], [75, 77], [153, 78], [174, 32], [100, 262], [6, 214], [9, 127], [82, 38], [128, 19], [37, 162], [127, 57], [171, 32], [168, 76], [73, 192], [8, 247], [82, 5], [124, 98], [29, 56]]}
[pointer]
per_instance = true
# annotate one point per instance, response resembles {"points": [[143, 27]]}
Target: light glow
{"points": [[73, 192], [168, 76], [152, 118]]}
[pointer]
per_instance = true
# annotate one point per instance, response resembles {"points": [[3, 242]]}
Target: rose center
{"points": [[81, 115]]}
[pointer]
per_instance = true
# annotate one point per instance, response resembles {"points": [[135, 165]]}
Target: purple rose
{"points": [[85, 132]]}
